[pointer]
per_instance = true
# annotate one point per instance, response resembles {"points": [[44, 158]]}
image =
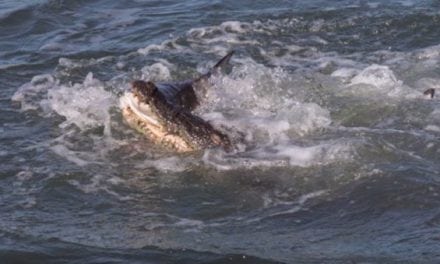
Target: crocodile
{"points": [[164, 113]]}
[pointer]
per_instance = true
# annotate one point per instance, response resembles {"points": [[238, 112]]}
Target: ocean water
{"points": [[341, 160]]}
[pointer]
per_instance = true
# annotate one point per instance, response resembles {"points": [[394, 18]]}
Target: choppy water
{"points": [[342, 160]]}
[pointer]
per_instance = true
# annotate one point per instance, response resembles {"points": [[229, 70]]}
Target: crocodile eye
{"points": [[137, 84], [143, 89]]}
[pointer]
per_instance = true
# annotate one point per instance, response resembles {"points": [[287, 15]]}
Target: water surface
{"points": [[341, 163]]}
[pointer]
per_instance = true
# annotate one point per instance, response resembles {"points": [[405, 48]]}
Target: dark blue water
{"points": [[341, 163]]}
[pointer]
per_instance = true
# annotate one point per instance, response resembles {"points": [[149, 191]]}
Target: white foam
{"points": [[209, 39], [236, 26], [157, 71], [264, 105], [282, 154], [428, 53], [379, 76], [233, 27], [300, 203], [306, 117], [99, 183], [152, 47], [86, 105], [185, 222], [52, 47], [168, 45], [68, 63], [345, 74], [70, 155], [433, 128], [94, 186], [24, 175], [30, 94], [315, 155], [377, 81], [433, 121], [166, 164]]}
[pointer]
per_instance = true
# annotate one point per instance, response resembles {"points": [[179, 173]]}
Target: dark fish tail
{"points": [[430, 92], [217, 67], [223, 61]]}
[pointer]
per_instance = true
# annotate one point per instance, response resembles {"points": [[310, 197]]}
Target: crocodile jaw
{"points": [[140, 117]]}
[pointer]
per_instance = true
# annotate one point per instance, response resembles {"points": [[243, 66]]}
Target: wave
{"points": [[341, 144], [282, 110]]}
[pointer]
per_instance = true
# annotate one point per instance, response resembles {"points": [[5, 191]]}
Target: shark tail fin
{"points": [[223, 61], [217, 67], [200, 83]]}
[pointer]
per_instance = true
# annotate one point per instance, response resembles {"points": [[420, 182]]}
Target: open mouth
{"points": [[140, 116], [140, 109]]}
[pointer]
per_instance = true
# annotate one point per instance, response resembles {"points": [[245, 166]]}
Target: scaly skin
{"points": [[176, 127]]}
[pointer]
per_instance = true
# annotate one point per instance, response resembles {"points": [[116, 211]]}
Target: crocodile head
{"points": [[147, 110]]}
